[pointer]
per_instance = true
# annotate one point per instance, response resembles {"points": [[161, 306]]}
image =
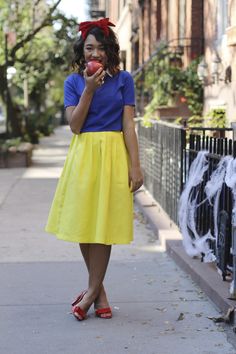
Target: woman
{"points": [[93, 202]]}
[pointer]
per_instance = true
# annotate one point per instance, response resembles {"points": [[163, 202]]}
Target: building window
{"points": [[182, 20], [136, 55], [232, 13], [222, 18], [171, 16], [150, 25], [158, 22]]}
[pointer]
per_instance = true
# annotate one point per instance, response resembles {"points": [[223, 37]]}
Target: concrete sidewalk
{"points": [[157, 307], [206, 275]]}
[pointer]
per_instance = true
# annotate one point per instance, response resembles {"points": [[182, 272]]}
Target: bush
{"points": [[164, 80], [216, 118], [8, 143]]}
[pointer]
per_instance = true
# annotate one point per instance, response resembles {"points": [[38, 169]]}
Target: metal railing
{"points": [[162, 158], [217, 147], [166, 158]]}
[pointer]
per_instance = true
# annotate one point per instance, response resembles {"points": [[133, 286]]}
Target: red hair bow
{"points": [[86, 26]]}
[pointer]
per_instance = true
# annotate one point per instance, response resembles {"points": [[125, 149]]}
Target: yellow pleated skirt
{"points": [[93, 202]]}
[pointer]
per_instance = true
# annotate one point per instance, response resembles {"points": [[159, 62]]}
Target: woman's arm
{"points": [[131, 142], [76, 115]]}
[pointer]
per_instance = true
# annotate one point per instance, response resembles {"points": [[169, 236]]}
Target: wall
{"points": [[224, 44], [123, 31]]}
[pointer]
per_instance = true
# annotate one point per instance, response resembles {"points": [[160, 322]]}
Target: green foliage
{"points": [[41, 56], [6, 144], [192, 122], [39, 124], [192, 89], [164, 81], [147, 123], [157, 100], [216, 118]]}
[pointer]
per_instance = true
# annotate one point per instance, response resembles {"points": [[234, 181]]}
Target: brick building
{"points": [[143, 24], [220, 56], [193, 28], [176, 23], [119, 12], [179, 23]]}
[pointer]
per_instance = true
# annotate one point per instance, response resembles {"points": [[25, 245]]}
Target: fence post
{"points": [[233, 126], [233, 225]]}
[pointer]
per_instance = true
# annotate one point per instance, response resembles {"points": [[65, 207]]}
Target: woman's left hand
{"points": [[135, 178]]}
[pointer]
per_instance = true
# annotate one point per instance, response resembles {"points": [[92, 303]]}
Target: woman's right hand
{"points": [[94, 81]]}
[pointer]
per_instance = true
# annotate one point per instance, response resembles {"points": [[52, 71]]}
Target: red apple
{"points": [[93, 66]]}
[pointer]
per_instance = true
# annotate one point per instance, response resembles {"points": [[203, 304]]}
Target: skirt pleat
{"points": [[93, 202]]}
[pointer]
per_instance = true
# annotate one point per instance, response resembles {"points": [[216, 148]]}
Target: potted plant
{"points": [[15, 153], [171, 88]]}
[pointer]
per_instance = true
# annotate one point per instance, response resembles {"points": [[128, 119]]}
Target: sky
{"points": [[77, 8]]}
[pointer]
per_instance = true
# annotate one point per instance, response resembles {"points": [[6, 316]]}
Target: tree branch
{"points": [[46, 22], [37, 2]]}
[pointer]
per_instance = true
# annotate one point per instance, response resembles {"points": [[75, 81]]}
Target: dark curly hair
{"points": [[111, 46]]}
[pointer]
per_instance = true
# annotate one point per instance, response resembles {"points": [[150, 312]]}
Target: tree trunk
{"points": [[14, 128]]}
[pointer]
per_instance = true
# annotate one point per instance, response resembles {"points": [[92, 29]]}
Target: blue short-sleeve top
{"points": [[106, 109]]}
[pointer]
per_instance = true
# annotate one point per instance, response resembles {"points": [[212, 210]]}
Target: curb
{"points": [[203, 274]]}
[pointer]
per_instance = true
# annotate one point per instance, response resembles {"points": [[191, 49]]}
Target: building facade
{"points": [[141, 25], [192, 28], [220, 56], [178, 23], [119, 12]]}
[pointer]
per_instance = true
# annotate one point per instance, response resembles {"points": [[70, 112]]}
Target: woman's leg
{"points": [[101, 300], [99, 256], [84, 247], [96, 258]]}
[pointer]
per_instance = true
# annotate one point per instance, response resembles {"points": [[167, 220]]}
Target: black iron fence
{"points": [[162, 149], [217, 146], [166, 156]]}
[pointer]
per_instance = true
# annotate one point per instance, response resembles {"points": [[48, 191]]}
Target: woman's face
{"points": [[94, 50]]}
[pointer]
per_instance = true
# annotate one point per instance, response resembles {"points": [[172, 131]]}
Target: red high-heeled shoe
{"points": [[104, 313], [78, 313]]}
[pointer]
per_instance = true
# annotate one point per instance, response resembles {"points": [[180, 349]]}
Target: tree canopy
{"points": [[36, 39]]}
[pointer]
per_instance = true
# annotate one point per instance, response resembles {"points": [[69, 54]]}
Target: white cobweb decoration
{"points": [[225, 172], [213, 189], [230, 180], [194, 244]]}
